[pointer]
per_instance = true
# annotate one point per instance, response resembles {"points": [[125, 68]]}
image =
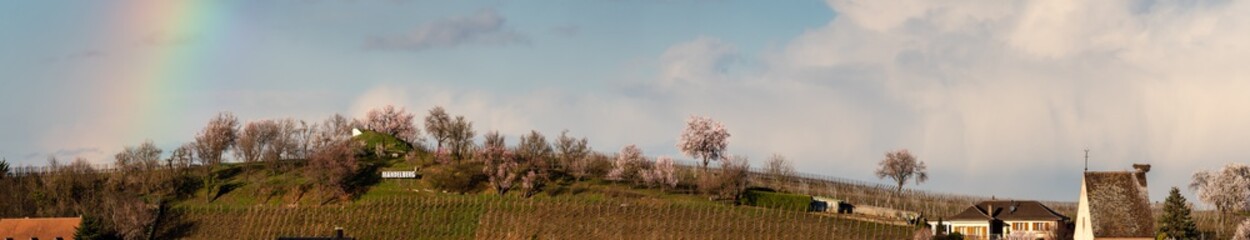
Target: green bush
{"points": [[763, 198], [376, 144]]}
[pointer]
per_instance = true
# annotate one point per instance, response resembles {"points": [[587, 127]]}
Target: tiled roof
{"points": [[42, 228], [1009, 210], [1118, 204]]}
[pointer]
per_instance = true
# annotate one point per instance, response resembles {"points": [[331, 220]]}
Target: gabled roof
{"points": [[42, 228], [1118, 204], [1009, 210]]}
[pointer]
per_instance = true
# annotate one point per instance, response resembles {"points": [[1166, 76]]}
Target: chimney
{"points": [[1140, 174]]}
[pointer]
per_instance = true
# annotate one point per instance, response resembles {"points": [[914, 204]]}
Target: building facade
{"points": [[996, 218], [1114, 205]]}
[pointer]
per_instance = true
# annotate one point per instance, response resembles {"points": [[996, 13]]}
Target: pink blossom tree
{"points": [[395, 122], [1243, 231], [628, 165], [531, 183], [501, 166], [704, 139], [1227, 189], [662, 173], [332, 167], [901, 166]]}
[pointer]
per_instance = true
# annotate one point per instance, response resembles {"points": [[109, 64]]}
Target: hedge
{"points": [[776, 200]]}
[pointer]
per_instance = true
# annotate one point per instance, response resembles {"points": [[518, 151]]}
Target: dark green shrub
{"points": [[462, 177], [94, 228], [763, 198]]}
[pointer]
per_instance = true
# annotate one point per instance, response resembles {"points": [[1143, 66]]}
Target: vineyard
{"points": [[494, 217]]}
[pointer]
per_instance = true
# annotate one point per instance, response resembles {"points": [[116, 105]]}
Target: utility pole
{"points": [[1087, 159]]}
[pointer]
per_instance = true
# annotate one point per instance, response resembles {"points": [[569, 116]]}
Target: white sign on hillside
{"points": [[399, 174]]}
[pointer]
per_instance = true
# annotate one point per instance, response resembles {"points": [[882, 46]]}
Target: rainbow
{"points": [[170, 63]]}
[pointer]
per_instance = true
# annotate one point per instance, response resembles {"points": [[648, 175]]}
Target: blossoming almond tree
{"points": [[395, 122], [501, 166], [704, 139], [1228, 189], [628, 165], [662, 173], [1243, 231]]}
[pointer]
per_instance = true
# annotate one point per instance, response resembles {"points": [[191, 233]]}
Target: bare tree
{"points": [[734, 177], [218, 136], [302, 139], [137, 174], [182, 156], [395, 122], [780, 170], [334, 129], [286, 140], [129, 215], [460, 140], [704, 139], [901, 166], [573, 155], [501, 166], [438, 124], [211, 144], [253, 139]]}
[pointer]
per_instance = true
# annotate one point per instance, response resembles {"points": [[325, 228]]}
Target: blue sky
{"points": [[998, 97]]}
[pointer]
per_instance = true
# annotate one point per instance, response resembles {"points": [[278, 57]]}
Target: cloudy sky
{"points": [[997, 97]]}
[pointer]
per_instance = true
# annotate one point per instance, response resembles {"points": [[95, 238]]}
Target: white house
{"points": [[997, 218], [1114, 205]]}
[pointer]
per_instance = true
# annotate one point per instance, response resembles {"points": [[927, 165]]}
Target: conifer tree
{"points": [[1176, 222]]}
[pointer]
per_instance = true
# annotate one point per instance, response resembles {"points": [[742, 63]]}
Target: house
{"points": [[39, 228], [1115, 205], [995, 219]]}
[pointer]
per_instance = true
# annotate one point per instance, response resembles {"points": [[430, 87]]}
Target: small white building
{"points": [[996, 218], [1114, 205]]}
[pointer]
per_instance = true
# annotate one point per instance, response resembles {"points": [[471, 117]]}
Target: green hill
{"points": [[263, 205]]}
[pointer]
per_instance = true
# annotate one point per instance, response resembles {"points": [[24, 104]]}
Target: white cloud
{"points": [[994, 96], [379, 96], [1027, 85], [701, 59], [483, 27]]}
